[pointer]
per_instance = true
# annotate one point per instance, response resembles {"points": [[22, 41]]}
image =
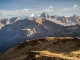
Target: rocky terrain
{"points": [[49, 48]]}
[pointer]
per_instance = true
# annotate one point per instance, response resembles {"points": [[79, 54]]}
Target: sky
{"points": [[12, 8]]}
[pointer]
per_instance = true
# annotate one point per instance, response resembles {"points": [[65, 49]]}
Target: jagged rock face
{"points": [[14, 19], [77, 18], [55, 17], [32, 16], [66, 20], [63, 20], [4, 22], [45, 15], [52, 17]]}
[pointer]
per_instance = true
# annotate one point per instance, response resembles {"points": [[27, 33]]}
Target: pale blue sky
{"points": [[10, 8]]}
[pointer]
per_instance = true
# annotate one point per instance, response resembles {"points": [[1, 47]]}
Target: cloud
{"points": [[12, 13], [47, 10], [50, 7], [59, 11], [22, 12], [8, 12], [75, 6], [67, 9]]}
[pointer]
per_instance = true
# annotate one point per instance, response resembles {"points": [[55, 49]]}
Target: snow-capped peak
{"points": [[31, 15], [45, 15]]}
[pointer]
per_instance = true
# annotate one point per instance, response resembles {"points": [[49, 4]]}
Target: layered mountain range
{"points": [[15, 30], [62, 20]]}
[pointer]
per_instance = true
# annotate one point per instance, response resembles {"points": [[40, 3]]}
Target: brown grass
{"points": [[49, 48]]}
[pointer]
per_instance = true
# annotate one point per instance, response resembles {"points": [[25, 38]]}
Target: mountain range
{"points": [[16, 29]]}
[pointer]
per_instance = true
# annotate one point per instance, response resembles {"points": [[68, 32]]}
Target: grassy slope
{"points": [[50, 48]]}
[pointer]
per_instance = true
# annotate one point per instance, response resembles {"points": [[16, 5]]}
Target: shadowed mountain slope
{"points": [[22, 30]]}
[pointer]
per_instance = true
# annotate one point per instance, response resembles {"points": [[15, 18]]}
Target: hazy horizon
{"points": [[10, 8]]}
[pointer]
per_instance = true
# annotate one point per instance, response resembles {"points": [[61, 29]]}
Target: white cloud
{"points": [[11, 13], [67, 9], [22, 12], [50, 7], [75, 6], [47, 10], [5, 12]]}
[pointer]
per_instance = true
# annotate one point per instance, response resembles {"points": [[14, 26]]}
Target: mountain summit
{"points": [[45, 15]]}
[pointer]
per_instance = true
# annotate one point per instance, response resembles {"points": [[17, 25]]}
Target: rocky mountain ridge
{"points": [[62, 20]]}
